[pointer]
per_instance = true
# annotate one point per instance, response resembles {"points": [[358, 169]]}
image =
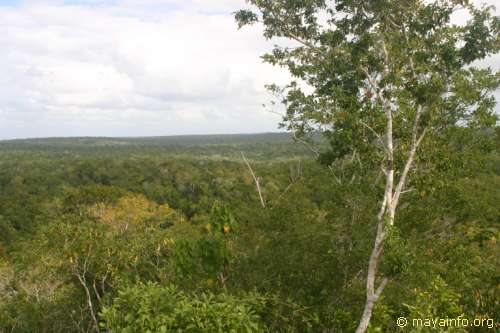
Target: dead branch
{"points": [[256, 180]]}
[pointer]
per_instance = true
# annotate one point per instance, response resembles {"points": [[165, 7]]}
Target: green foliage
{"points": [[204, 258], [7, 232], [222, 220], [196, 225], [26, 313], [151, 308], [209, 255], [397, 256], [439, 301]]}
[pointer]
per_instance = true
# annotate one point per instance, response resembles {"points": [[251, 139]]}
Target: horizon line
{"points": [[140, 136]]}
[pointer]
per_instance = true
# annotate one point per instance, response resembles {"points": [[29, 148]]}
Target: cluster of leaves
{"points": [[151, 308], [210, 255], [154, 308], [397, 255], [439, 301]]}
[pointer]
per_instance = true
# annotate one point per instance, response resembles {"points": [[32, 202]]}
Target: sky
{"points": [[131, 68]]}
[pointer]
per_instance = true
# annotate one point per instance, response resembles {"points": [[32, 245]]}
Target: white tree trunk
{"points": [[387, 213], [372, 293]]}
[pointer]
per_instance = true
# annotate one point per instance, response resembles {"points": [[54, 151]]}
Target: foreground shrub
{"points": [[152, 308]]}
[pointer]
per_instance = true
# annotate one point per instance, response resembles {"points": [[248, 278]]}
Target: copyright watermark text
{"points": [[445, 322]]}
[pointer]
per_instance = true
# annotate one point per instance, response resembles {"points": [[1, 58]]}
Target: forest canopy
{"points": [[93, 236]]}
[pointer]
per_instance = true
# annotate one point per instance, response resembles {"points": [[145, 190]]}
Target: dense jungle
{"points": [[170, 235]]}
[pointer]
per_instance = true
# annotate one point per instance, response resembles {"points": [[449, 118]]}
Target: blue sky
{"points": [[9, 2]]}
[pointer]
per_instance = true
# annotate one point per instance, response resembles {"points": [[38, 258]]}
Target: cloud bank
{"points": [[131, 68]]}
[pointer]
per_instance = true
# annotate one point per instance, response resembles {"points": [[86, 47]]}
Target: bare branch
{"points": [[381, 212], [256, 180], [381, 287], [409, 190], [82, 281], [415, 143], [303, 42], [81, 276], [379, 137], [305, 143]]}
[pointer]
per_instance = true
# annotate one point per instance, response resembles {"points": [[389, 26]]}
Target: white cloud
{"points": [[130, 70], [131, 67]]}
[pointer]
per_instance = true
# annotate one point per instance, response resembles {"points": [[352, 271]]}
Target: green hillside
{"points": [[230, 146]]}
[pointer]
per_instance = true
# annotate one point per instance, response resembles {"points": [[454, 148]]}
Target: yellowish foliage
{"points": [[131, 212]]}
